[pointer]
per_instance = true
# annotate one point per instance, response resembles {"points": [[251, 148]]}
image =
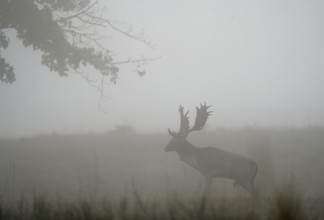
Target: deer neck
{"points": [[188, 153]]}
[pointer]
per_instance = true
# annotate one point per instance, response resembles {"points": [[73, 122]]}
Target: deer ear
{"points": [[171, 133]]}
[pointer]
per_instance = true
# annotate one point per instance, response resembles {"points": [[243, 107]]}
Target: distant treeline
{"points": [[108, 163]]}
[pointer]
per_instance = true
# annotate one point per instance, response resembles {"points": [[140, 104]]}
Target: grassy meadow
{"points": [[123, 174]]}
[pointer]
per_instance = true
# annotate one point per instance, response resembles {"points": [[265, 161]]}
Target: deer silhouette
{"points": [[209, 161]]}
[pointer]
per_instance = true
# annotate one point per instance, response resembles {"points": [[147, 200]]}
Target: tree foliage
{"points": [[66, 32]]}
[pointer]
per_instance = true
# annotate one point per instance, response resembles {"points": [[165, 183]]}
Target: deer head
{"points": [[179, 138]]}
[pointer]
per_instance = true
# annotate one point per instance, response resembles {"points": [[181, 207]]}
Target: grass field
{"points": [[285, 205], [125, 175]]}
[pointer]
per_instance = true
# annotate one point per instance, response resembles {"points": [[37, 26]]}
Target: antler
{"points": [[201, 118], [184, 124], [184, 121]]}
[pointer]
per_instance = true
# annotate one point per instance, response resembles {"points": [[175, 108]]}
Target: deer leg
{"points": [[254, 193], [251, 189], [208, 182]]}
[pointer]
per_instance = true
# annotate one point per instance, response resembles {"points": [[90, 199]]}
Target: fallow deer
{"points": [[209, 161]]}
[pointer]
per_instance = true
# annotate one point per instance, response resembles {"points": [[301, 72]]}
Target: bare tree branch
{"points": [[135, 60]]}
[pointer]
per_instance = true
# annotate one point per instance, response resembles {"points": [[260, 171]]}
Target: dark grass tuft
{"points": [[287, 205]]}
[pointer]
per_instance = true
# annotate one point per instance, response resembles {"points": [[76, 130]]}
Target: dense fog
{"points": [[259, 64], [107, 164]]}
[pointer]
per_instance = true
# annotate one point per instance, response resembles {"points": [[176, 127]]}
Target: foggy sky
{"points": [[257, 62]]}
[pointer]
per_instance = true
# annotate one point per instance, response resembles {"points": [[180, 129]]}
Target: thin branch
{"points": [[102, 97], [132, 36], [80, 12], [135, 60]]}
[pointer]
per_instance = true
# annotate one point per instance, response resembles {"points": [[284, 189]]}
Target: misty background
{"points": [[257, 63]]}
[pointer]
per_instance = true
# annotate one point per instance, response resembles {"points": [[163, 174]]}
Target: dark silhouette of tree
{"points": [[68, 34]]}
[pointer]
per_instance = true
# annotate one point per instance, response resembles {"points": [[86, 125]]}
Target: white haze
{"points": [[257, 62]]}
